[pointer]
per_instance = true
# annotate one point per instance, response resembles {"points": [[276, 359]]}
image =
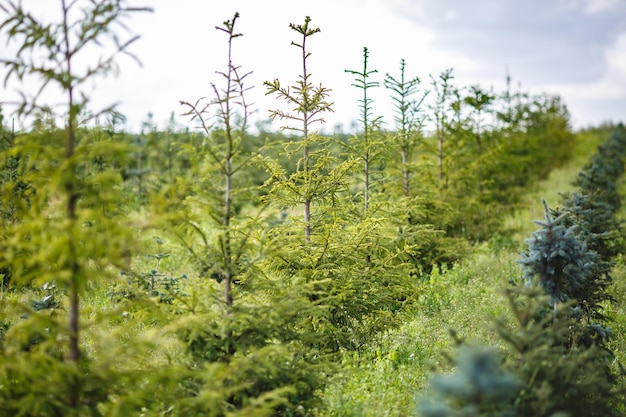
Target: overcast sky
{"points": [[574, 48]]}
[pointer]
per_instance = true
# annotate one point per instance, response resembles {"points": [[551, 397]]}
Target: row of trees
{"points": [[296, 247], [557, 358]]}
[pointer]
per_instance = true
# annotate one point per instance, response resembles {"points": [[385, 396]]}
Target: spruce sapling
{"points": [[67, 245], [310, 102], [408, 117], [368, 121], [556, 257]]}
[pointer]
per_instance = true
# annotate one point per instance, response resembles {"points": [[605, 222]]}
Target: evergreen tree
{"points": [[224, 150], [66, 237], [561, 332], [409, 119], [480, 103], [15, 190], [407, 184], [557, 258], [239, 326], [310, 102], [443, 90], [363, 146], [595, 225], [559, 376], [351, 268]]}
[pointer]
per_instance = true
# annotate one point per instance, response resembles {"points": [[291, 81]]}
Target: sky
{"points": [[573, 48]]}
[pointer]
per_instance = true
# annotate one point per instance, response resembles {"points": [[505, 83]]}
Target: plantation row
{"points": [[216, 272], [483, 299], [556, 357]]}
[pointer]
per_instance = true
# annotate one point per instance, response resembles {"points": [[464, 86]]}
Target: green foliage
{"points": [[415, 202], [443, 90], [384, 377], [593, 210], [153, 283], [231, 319], [67, 232], [558, 374], [15, 190], [366, 147], [309, 100], [309, 103], [554, 364], [224, 157], [573, 331], [480, 103], [353, 265], [598, 228], [598, 178], [475, 150], [256, 345], [409, 119]]}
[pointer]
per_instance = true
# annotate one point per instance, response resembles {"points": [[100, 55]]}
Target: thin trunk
{"points": [[307, 196], [72, 200], [406, 177], [307, 220], [367, 180], [441, 123], [479, 141], [366, 156], [368, 257], [366, 168], [366, 153], [228, 174], [405, 172], [74, 350], [227, 244], [229, 273], [305, 149], [440, 139], [16, 164], [139, 175]]}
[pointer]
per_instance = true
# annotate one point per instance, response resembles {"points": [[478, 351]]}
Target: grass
{"points": [[385, 379], [559, 182]]}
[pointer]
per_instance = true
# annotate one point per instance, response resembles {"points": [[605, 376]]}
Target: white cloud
{"points": [[451, 15], [616, 58], [603, 99], [612, 84], [600, 6]]}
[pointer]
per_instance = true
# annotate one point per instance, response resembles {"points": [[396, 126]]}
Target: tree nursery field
{"points": [[463, 259]]}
